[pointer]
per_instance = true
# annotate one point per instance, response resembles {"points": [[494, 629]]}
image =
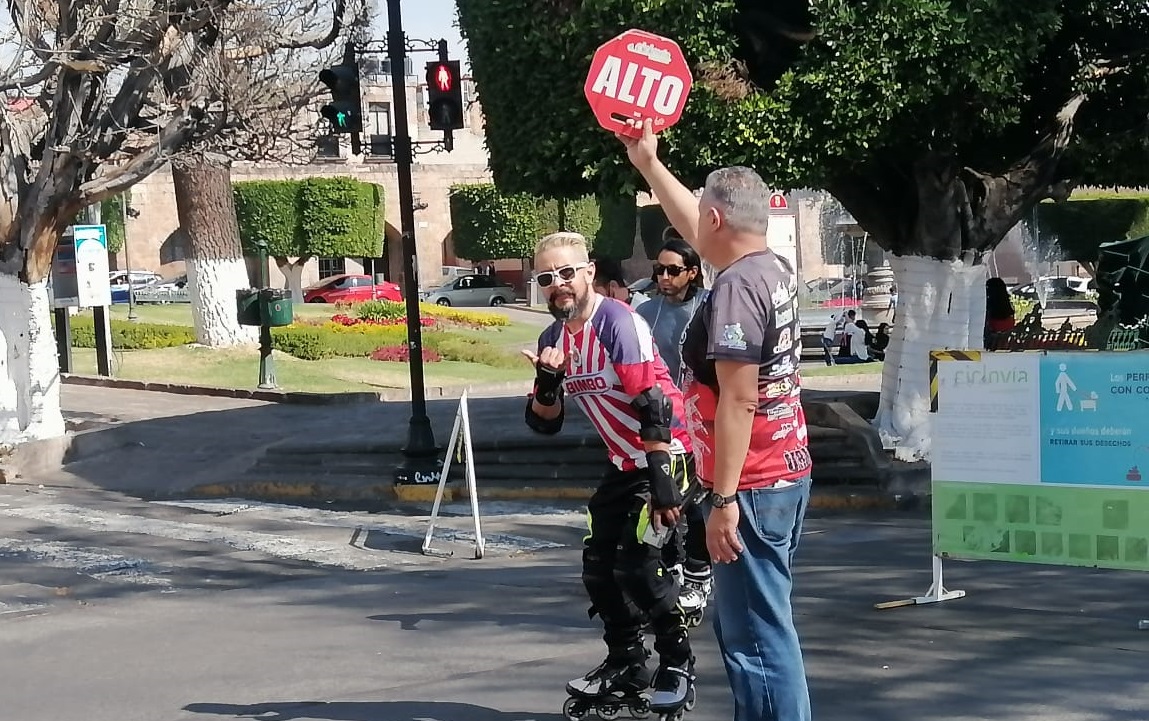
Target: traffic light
{"points": [[445, 95], [345, 110]]}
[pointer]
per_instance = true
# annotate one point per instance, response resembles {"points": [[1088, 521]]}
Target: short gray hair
{"points": [[741, 196]]}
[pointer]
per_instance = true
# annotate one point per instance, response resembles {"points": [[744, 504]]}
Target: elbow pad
{"points": [[666, 480], [538, 424], [655, 415]]}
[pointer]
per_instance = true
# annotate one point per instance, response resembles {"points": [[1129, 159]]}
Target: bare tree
{"points": [[263, 87], [99, 95]]}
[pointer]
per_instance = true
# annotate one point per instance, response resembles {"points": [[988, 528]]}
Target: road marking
{"points": [[410, 527], [96, 563], [287, 547]]}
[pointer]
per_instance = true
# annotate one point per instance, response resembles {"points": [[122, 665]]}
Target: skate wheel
{"points": [[694, 622], [573, 709], [690, 700], [640, 709], [608, 711]]}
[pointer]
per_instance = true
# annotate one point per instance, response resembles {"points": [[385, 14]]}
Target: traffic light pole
{"points": [[421, 455]]}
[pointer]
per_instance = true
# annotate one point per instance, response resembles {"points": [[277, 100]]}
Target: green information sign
{"points": [[1060, 525]]}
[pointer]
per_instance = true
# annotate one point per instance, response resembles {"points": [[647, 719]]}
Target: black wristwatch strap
{"points": [[720, 501]]}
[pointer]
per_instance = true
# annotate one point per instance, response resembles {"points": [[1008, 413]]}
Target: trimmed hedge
{"points": [[490, 225], [131, 336], [328, 217], [1080, 225]]}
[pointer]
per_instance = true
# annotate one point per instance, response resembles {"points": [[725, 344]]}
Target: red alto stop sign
{"points": [[635, 76]]}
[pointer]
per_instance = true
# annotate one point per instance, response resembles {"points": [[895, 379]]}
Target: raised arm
{"points": [[679, 204]]}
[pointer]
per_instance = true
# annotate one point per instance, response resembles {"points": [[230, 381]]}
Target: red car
{"points": [[351, 289]]}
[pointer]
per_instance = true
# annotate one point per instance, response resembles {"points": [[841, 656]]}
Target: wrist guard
{"points": [[538, 424], [548, 384], [665, 484]]}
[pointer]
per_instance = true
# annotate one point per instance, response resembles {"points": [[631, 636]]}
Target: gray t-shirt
{"points": [[750, 316], [668, 320]]}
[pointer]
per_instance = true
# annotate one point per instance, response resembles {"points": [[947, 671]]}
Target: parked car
{"points": [[351, 288], [1057, 287], [173, 290], [121, 280], [471, 290]]}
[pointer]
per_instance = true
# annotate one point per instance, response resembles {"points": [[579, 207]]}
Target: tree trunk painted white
{"points": [[29, 369], [212, 283], [941, 305], [215, 264], [293, 276]]}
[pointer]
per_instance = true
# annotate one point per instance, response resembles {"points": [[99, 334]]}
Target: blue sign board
{"points": [[1094, 412]]}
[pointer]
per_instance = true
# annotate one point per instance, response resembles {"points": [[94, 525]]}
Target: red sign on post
{"points": [[635, 76], [778, 202]]}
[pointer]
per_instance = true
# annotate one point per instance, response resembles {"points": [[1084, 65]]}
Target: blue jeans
{"points": [[754, 620]]}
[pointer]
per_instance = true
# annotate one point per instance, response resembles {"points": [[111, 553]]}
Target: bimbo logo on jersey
{"points": [[586, 384]]}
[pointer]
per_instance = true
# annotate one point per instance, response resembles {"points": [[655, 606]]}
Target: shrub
{"points": [[472, 350], [402, 354], [378, 310], [464, 317], [303, 343], [131, 336], [333, 340]]}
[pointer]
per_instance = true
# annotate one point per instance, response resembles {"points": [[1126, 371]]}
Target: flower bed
{"points": [[402, 354]]}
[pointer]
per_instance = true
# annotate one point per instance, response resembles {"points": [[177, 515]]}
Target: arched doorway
{"points": [[392, 260]]}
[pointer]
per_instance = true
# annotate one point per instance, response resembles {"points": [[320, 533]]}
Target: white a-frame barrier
{"points": [[461, 443]]}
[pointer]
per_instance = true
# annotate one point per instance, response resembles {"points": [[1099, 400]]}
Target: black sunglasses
{"points": [[565, 273], [672, 270]]}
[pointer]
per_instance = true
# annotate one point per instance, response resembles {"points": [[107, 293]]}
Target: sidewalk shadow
{"points": [[366, 711]]}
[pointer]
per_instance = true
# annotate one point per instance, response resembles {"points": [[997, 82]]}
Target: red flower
{"points": [[402, 354]]}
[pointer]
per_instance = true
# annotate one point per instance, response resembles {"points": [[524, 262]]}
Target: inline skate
{"points": [[694, 595], [608, 690], [673, 692]]}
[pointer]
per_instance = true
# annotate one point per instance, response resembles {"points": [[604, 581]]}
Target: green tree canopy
{"points": [[488, 224], [937, 124], [328, 217]]}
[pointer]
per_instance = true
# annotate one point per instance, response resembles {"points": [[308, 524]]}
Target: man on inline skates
{"points": [[601, 355]]}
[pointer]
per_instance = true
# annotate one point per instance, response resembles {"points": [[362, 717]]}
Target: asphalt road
{"points": [[112, 609]]}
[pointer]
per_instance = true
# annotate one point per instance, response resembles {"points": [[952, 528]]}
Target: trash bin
{"points": [[275, 306], [247, 309]]}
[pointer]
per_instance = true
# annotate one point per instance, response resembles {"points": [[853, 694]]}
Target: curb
{"points": [[303, 398], [290, 397], [827, 499]]}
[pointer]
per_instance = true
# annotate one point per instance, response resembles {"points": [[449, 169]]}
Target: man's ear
{"points": [[714, 217]]}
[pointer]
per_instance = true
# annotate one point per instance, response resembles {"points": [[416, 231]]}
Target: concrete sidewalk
{"points": [[178, 445]]}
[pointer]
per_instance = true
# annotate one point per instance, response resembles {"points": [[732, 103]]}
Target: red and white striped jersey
{"points": [[609, 362]]}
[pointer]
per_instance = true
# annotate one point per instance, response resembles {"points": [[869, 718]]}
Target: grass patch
{"points": [[235, 368], [479, 355], [850, 369]]}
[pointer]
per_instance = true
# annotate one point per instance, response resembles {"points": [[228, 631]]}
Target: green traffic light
{"points": [[341, 119]]}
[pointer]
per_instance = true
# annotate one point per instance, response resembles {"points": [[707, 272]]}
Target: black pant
{"points": [[691, 549], [625, 578]]}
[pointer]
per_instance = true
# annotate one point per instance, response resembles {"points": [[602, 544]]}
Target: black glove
{"points": [[665, 487], [548, 383]]}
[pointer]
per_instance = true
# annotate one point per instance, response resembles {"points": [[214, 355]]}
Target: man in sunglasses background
{"points": [[678, 275], [601, 357]]}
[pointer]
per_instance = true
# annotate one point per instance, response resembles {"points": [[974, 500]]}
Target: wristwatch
{"points": [[720, 501]]}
